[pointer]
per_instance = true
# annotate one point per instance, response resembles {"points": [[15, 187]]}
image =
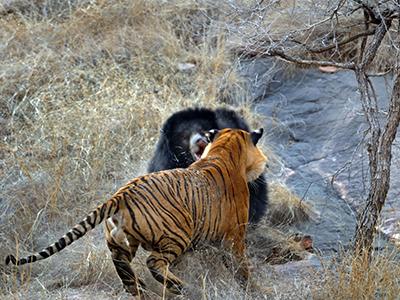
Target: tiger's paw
{"points": [[175, 288], [136, 289]]}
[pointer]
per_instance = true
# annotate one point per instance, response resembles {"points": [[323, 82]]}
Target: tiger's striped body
{"points": [[168, 211]]}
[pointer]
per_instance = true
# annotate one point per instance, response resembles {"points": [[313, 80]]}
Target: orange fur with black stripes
{"points": [[168, 211]]}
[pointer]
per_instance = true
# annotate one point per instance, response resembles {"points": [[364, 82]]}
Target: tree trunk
{"points": [[380, 152], [380, 144]]}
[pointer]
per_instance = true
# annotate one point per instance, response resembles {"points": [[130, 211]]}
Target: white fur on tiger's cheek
{"points": [[258, 166], [206, 150], [254, 174]]}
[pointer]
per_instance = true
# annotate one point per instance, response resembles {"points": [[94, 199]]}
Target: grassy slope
{"points": [[84, 91]]}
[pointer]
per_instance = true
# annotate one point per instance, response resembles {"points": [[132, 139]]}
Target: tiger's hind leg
{"points": [[123, 249], [159, 261]]}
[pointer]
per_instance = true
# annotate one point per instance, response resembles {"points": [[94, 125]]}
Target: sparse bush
{"points": [[357, 277]]}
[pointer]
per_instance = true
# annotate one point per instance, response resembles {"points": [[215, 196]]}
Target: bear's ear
{"points": [[256, 135], [211, 134]]}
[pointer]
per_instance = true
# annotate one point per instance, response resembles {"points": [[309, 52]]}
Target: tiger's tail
{"points": [[94, 218]]}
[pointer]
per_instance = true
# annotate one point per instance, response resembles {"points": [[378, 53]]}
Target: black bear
{"points": [[182, 142]]}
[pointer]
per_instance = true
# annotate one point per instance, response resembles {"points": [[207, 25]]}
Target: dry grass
{"points": [[84, 87], [356, 278], [83, 96], [287, 208]]}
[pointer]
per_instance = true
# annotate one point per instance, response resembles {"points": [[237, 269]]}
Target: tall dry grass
{"points": [[358, 278], [84, 89]]}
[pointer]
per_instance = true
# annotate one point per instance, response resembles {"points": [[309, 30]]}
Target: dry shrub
{"points": [[274, 246], [301, 26], [287, 208], [354, 277]]}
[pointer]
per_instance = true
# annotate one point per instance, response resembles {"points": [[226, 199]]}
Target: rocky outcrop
{"points": [[315, 123]]}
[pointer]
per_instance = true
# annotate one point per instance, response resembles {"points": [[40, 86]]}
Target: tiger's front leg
{"points": [[235, 241]]}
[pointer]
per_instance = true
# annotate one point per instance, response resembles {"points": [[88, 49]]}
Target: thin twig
{"points": [[309, 62], [342, 42]]}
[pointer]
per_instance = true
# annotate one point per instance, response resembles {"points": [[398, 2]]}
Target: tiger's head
{"points": [[241, 145]]}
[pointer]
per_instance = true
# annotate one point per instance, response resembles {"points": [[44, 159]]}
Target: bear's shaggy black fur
{"points": [[184, 131]]}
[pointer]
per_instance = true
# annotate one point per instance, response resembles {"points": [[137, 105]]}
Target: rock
{"points": [[186, 67], [328, 69], [295, 267], [317, 130]]}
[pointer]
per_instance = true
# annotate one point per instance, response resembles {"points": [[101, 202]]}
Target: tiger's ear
{"points": [[211, 134], [256, 135]]}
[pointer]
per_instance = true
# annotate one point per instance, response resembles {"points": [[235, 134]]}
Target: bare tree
{"points": [[381, 136], [304, 47]]}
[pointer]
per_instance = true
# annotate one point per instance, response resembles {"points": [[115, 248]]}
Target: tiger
{"points": [[168, 212]]}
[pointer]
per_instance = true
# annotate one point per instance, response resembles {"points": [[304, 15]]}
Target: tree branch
{"points": [[280, 54], [343, 42], [373, 47]]}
